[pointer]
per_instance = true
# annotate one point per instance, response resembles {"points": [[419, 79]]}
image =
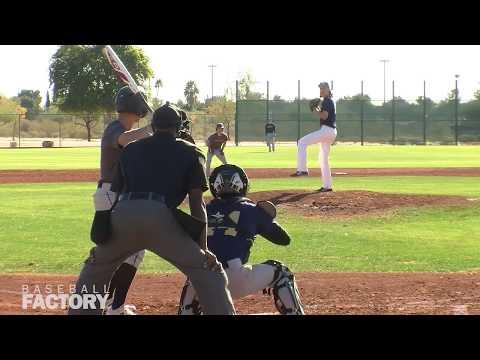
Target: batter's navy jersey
{"points": [[232, 227]]}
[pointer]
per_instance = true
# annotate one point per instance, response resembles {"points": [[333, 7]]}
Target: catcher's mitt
{"points": [[315, 103]]}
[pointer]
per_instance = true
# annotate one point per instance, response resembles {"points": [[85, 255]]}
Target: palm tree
{"points": [[191, 91], [158, 85]]}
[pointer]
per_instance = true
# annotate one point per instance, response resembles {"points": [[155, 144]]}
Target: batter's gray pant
{"points": [[144, 224], [219, 155]]}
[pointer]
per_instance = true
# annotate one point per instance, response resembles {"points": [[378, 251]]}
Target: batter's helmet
{"points": [[168, 116], [228, 180], [127, 101]]}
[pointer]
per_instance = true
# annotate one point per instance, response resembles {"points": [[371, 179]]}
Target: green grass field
{"points": [[342, 156], [45, 229]]}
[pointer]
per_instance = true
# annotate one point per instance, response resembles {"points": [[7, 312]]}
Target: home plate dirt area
{"points": [[322, 294]]}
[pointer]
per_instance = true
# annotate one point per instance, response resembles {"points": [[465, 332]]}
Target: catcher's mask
{"points": [[128, 102], [168, 116], [228, 180]]}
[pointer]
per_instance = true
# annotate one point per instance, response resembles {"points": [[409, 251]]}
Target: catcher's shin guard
{"points": [[189, 304], [285, 292]]}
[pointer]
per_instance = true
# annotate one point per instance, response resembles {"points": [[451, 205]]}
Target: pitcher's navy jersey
{"points": [[232, 227]]}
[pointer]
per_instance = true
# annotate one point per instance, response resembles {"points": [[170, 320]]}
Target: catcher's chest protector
{"points": [[232, 227]]}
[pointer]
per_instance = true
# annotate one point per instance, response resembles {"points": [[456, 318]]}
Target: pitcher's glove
{"points": [[315, 104]]}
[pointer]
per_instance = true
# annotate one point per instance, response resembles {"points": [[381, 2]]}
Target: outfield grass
{"points": [[45, 229], [342, 156]]}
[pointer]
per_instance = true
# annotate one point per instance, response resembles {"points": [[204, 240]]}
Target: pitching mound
{"points": [[350, 203], [321, 293]]}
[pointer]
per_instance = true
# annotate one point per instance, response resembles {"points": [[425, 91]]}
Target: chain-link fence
{"points": [[360, 119], [364, 120], [70, 130]]}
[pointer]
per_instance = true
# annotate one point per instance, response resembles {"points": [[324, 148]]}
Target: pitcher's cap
{"points": [[324, 85]]}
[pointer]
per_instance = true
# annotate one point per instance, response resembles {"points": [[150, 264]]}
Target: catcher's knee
{"points": [[285, 292], [189, 304], [136, 259]]}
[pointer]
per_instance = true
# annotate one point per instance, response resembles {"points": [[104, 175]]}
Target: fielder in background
{"points": [[130, 108], [270, 134], [233, 223], [216, 143], [326, 136]]}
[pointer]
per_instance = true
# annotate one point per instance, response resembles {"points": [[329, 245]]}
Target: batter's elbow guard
{"points": [[277, 235]]}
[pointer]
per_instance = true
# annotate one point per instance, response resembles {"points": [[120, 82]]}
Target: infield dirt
{"points": [[322, 293], [91, 175]]}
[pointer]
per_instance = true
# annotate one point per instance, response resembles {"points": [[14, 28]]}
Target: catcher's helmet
{"points": [[168, 116], [127, 101], [228, 180]]}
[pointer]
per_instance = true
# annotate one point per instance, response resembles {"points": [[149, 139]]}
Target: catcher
{"points": [[233, 223]]}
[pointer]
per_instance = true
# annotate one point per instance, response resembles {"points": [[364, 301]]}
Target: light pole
{"points": [[384, 79], [212, 67], [456, 108]]}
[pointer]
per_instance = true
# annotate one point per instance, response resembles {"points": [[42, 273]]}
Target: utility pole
{"points": [[384, 79], [212, 67], [456, 109]]}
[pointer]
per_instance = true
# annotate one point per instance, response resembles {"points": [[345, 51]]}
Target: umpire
{"points": [[153, 178]]}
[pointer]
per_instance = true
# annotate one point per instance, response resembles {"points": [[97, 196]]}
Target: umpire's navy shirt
{"points": [[161, 164], [329, 106]]}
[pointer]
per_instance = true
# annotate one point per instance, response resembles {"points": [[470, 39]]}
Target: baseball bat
{"points": [[122, 72]]}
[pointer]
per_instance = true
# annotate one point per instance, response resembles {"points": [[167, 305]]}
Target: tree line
{"points": [[84, 85]]}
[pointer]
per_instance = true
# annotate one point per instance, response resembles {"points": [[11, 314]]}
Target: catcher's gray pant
{"points": [[270, 140], [144, 224], [245, 279], [219, 155], [103, 199]]}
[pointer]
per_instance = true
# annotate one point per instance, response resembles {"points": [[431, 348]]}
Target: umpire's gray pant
{"points": [[144, 224]]}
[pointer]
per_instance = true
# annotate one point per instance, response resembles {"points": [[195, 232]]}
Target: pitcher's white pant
{"points": [[325, 136], [219, 155], [103, 199], [243, 280]]}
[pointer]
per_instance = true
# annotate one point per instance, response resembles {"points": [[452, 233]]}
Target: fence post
{"points": [[60, 133], [393, 112], [424, 113], [362, 115], [236, 113], [456, 112], [19, 118], [14, 130], [268, 99], [298, 112]]}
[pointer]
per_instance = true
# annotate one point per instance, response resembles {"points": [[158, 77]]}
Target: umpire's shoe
{"points": [[300, 173]]}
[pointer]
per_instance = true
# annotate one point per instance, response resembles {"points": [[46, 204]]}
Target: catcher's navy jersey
{"points": [[232, 227]]}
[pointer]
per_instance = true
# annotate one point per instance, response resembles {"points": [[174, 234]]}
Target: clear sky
{"points": [[26, 67]]}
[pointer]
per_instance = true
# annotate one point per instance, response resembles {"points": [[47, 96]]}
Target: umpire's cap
{"points": [[127, 101], [168, 116]]}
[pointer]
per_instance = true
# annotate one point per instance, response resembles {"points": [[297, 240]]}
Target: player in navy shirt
{"points": [[234, 221], [326, 136]]}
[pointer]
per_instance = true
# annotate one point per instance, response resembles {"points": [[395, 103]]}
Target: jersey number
{"points": [[228, 231]]}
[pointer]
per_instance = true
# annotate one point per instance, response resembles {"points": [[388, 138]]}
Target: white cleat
{"points": [[122, 310]]}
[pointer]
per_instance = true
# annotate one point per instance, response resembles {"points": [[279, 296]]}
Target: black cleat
{"points": [[322, 189], [300, 173]]}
